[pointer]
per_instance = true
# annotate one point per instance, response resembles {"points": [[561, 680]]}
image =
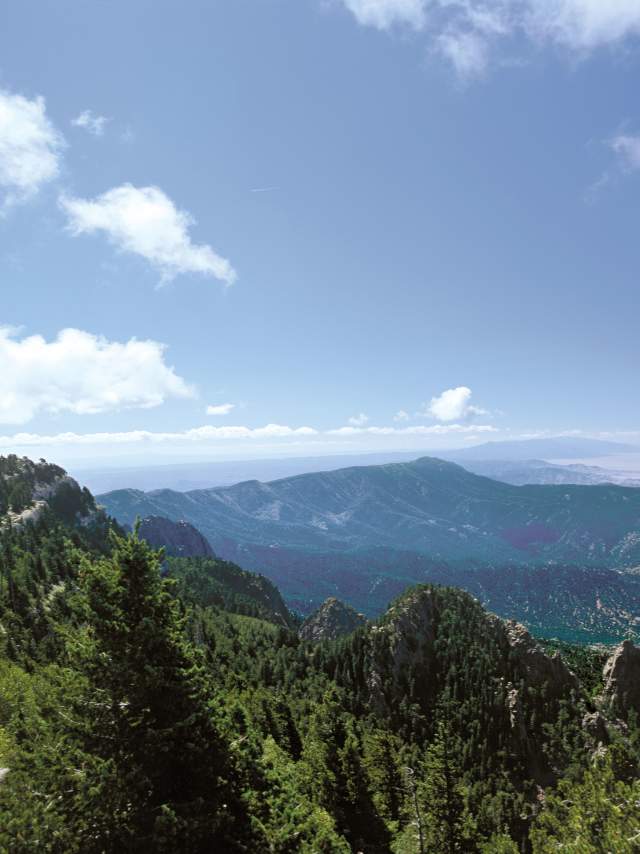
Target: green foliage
{"points": [[598, 814], [151, 711], [587, 662], [212, 582]]}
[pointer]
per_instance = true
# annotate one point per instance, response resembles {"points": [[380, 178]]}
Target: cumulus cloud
{"points": [[358, 420], [89, 121], [454, 404], [220, 409], [401, 415], [467, 32], [144, 221], [81, 373], [30, 148]]}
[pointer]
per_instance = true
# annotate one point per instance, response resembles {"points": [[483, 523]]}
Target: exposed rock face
{"points": [[402, 641], [179, 539], [332, 620], [595, 725], [539, 667], [622, 679]]}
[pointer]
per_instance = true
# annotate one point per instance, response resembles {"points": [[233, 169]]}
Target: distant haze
{"points": [[623, 460]]}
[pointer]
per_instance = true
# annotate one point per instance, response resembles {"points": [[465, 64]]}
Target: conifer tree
{"points": [[159, 728]]}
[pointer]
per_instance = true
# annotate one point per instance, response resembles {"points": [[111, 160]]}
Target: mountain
{"points": [[204, 475], [178, 539], [573, 603], [554, 448], [150, 706], [30, 492], [363, 534], [209, 581], [523, 472], [428, 506], [332, 620]]}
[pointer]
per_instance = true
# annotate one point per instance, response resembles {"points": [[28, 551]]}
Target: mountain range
{"points": [[428, 506], [559, 558], [517, 461]]}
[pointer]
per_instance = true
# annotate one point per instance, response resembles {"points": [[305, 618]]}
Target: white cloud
{"points": [[90, 122], [192, 435], [82, 374], [358, 420], [383, 14], [220, 409], [582, 24], [30, 147], [401, 415], [145, 222], [418, 430], [208, 434], [627, 148], [454, 404], [468, 52], [467, 32]]}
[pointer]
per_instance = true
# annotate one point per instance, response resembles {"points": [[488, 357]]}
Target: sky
{"points": [[266, 227]]}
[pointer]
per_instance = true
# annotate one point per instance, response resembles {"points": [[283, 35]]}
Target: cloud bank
{"points": [[82, 374], [30, 148], [145, 222]]}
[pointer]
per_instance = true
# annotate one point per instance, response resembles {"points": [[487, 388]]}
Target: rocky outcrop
{"points": [[621, 676], [179, 539], [535, 665], [402, 641], [595, 726], [331, 621]]}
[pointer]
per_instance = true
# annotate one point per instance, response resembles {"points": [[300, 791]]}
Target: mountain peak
{"points": [[332, 620], [179, 539]]}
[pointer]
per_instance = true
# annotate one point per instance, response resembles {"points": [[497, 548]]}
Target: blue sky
{"points": [[392, 223]]}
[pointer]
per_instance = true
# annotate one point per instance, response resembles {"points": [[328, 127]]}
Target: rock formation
{"points": [[179, 539], [621, 677], [332, 620]]}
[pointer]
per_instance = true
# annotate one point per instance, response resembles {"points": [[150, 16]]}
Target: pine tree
{"points": [[447, 822], [158, 725]]}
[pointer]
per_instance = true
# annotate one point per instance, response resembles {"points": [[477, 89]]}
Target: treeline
{"points": [[137, 716]]}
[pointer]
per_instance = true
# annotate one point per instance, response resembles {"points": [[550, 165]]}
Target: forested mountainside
{"points": [[363, 534], [141, 709], [427, 506], [573, 603]]}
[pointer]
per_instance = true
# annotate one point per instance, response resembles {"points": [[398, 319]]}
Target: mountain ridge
{"points": [[429, 506]]}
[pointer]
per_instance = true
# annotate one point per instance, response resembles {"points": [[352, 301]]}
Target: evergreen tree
{"points": [[160, 731], [447, 824], [598, 815]]}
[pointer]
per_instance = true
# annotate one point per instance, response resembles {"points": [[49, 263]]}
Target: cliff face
{"points": [[537, 667], [28, 489], [332, 620], [622, 680], [179, 539]]}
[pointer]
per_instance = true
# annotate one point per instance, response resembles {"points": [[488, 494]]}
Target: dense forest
{"points": [[164, 705]]}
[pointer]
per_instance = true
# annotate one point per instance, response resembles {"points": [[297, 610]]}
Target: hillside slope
{"points": [[427, 506]]}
